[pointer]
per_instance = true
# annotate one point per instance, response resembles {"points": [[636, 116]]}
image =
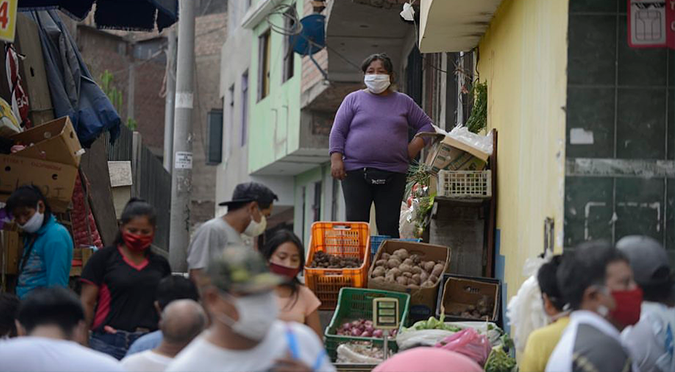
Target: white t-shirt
{"points": [[41, 354], [146, 361], [212, 236], [203, 356]]}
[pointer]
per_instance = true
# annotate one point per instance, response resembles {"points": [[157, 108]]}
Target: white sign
{"points": [[183, 160], [184, 100]]}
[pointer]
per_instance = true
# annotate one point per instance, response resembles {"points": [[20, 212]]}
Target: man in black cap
{"points": [[246, 214], [652, 340]]}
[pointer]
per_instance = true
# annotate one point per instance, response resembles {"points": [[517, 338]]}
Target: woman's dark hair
{"points": [[27, 196], [548, 283], [386, 62], [278, 238], [136, 208]]}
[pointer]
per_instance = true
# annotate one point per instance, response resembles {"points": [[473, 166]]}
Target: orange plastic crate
{"points": [[344, 239]]}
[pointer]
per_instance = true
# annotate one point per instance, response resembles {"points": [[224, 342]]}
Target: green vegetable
{"points": [[499, 361], [433, 323]]}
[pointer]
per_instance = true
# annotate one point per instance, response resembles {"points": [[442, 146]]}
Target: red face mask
{"points": [[628, 306], [137, 242], [289, 272]]}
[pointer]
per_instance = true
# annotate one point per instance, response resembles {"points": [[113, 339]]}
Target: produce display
{"points": [[323, 260], [433, 323], [481, 310], [362, 328], [359, 352], [499, 361], [407, 269]]}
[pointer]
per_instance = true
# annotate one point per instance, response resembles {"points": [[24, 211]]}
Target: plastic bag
{"points": [[525, 311], [428, 337], [482, 143], [468, 342], [406, 224], [355, 354]]}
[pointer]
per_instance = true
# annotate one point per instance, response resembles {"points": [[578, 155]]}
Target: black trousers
{"points": [[364, 186]]}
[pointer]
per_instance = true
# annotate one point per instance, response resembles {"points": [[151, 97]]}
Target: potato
{"points": [[415, 258], [407, 274], [428, 266], [428, 284], [438, 270], [390, 277], [402, 280], [409, 262], [417, 279], [402, 254], [416, 270], [424, 276], [378, 272], [405, 268], [396, 272], [433, 278], [381, 263], [393, 263], [379, 279]]}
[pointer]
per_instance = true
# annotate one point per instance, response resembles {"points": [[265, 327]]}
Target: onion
{"points": [[356, 323], [368, 323], [367, 334], [394, 332], [356, 332], [346, 326], [369, 329], [377, 333]]}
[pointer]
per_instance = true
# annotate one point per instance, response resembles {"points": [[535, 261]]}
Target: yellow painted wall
{"points": [[523, 58]]}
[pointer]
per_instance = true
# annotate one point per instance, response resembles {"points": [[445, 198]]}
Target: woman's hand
{"points": [[414, 147], [337, 166]]}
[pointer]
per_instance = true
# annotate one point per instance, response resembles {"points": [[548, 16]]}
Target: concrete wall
{"points": [[523, 59], [274, 120]]}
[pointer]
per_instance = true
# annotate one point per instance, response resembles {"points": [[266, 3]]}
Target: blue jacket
{"points": [[49, 261]]}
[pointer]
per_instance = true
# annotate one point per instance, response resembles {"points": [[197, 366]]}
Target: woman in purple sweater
{"points": [[369, 148]]}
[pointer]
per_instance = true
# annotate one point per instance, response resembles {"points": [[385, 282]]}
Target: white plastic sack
{"points": [[346, 355], [526, 312], [482, 143], [427, 337]]}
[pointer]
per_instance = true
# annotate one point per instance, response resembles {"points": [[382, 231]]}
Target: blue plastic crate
{"points": [[377, 240]]}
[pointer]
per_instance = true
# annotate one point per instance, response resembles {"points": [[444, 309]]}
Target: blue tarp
{"points": [[73, 91]]}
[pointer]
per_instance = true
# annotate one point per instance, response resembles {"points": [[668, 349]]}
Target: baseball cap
{"points": [[249, 192], [239, 269], [647, 258]]}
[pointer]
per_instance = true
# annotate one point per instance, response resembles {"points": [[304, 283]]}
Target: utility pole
{"points": [[169, 107], [181, 176]]}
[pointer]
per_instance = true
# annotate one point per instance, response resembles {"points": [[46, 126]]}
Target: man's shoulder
{"points": [[145, 342]]}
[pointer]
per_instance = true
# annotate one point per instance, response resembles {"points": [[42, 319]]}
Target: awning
{"points": [[454, 25], [136, 15]]}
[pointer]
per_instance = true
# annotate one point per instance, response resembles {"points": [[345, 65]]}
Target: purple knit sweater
{"points": [[372, 130]]}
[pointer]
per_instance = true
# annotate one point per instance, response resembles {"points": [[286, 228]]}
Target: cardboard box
{"points": [[54, 141], [10, 255], [449, 153], [56, 180], [422, 300], [458, 292]]}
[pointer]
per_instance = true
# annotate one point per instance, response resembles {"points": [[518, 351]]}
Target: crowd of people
{"points": [[243, 308]]}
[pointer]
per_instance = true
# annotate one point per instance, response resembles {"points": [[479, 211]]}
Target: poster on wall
{"points": [[651, 23]]}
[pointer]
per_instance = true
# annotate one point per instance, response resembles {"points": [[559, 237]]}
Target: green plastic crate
{"points": [[357, 303]]}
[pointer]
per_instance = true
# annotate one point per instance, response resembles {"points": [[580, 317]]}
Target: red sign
{"points": [[651, 23]]}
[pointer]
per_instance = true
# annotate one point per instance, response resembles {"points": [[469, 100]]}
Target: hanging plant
{"points": [[478, 118]]}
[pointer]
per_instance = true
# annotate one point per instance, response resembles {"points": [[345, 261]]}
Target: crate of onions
{"points": [[353, 319]]}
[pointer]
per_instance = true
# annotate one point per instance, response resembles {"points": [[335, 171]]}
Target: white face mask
{"points": [[256, 228], [377, 83], [256, 315], [34, 223]]}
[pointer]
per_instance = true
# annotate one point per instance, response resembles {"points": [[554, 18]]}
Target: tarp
{"points": [[138, 15], [73, 91]]}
